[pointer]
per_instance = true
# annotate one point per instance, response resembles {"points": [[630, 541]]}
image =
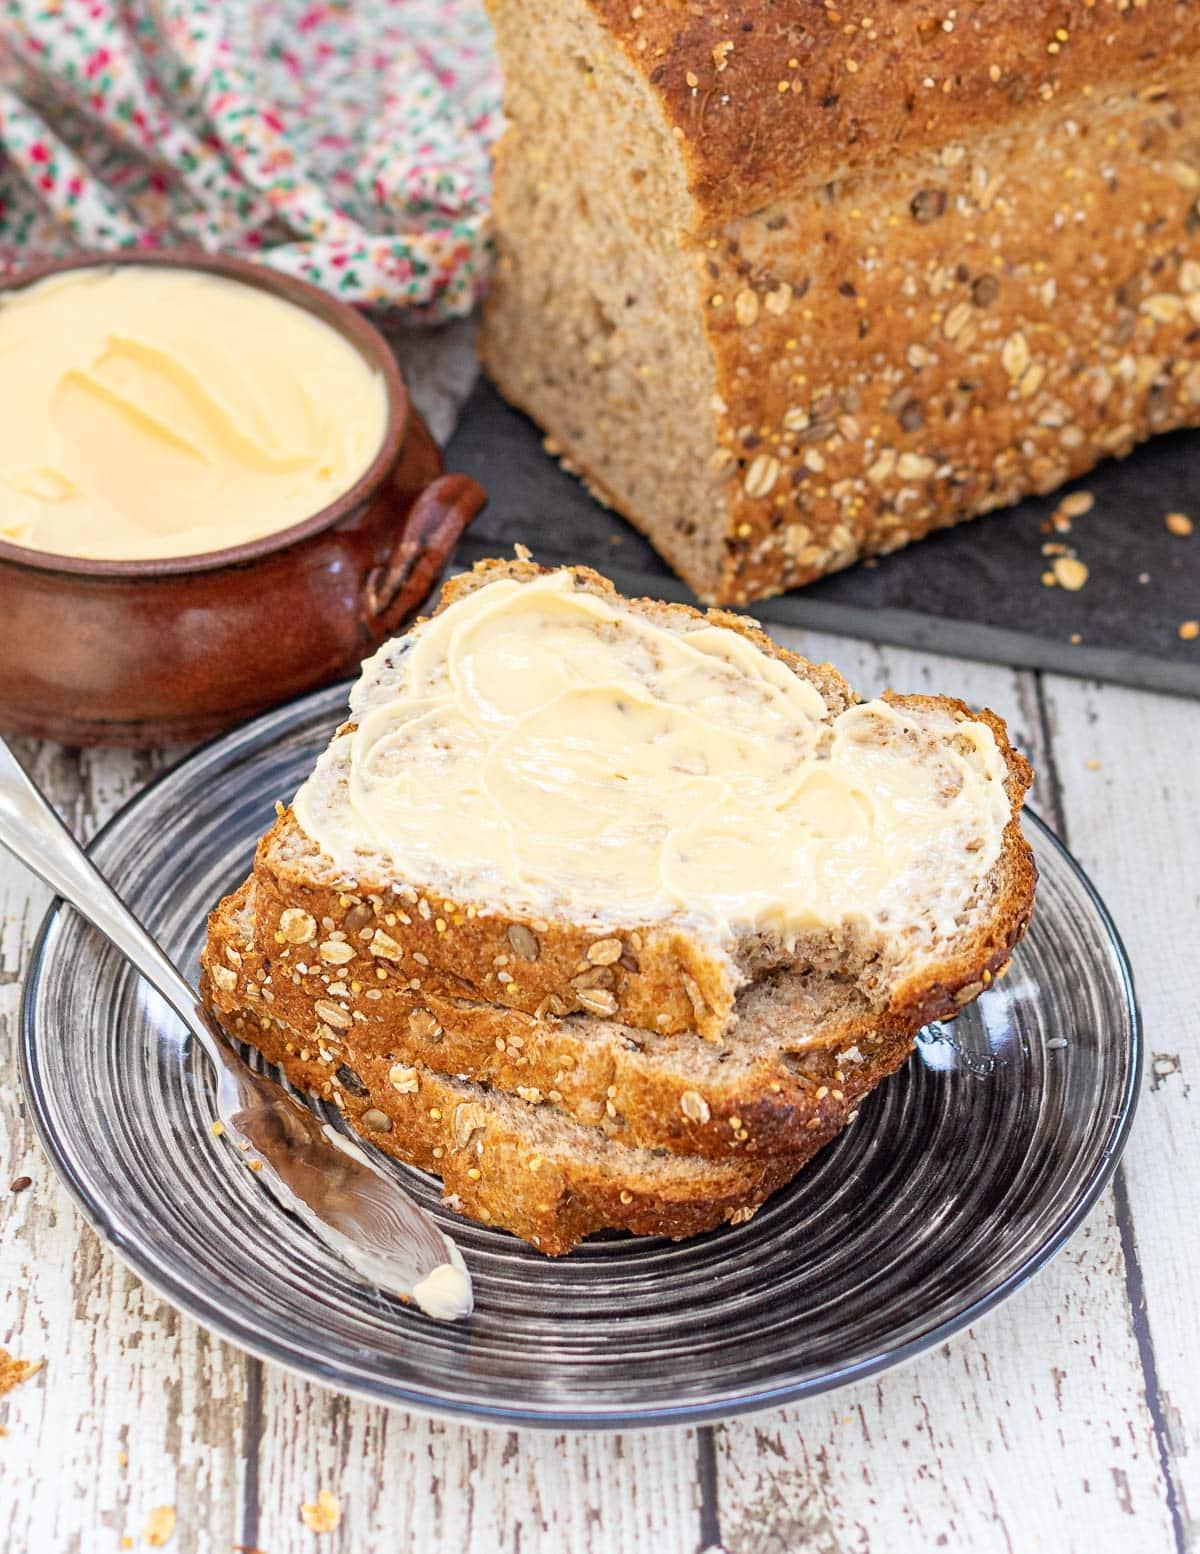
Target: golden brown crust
{"points": [[773, 95], [550, 1196], [604, 1075], [1034, 311], [508, 958]]}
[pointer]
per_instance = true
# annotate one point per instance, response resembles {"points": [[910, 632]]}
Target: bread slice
{"points": [[799, 1053], [531, 1169], [440, 936], [568, 1062]]}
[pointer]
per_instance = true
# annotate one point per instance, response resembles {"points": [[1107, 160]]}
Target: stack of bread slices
{"points": [[609, 913]]}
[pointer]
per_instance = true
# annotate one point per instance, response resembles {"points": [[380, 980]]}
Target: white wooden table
{"points": [[1069, 1420]]}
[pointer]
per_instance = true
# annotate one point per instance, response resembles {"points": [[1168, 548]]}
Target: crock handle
{"points": [[434, 525]]}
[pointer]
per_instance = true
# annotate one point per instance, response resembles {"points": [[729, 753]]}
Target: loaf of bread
{"points": [[792, 283], [649, 902]]}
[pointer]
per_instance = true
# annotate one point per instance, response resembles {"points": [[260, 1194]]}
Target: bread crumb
{"points": [[1093, 765], [1070, 573], [324, 1515], [1076, 504], [160, 1526], [1190, 630], [13, 1371], [1179, 523], [20, 1183]]}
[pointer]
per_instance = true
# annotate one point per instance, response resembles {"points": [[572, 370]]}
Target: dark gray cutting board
{"points": [[974, 590]]}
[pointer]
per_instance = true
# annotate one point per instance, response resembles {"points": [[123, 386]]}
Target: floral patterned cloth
{"points": [[344, 141]]}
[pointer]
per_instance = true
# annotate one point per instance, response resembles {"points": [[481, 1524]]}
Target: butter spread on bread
{"points": [[550, 748]]}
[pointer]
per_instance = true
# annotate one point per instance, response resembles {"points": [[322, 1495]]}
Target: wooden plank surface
{"points": [[1129, 771], [1068, 1420], [1031, 1432]]}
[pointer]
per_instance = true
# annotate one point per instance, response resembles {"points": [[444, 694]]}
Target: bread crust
{"points": [[551, 1197], [868, 79], [604, 1074]]}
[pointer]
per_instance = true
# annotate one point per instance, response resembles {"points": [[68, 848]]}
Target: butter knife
{"points": [[315, 1173]]}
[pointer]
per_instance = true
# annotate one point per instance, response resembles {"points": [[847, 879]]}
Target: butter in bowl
{"points": [[214, 493]]}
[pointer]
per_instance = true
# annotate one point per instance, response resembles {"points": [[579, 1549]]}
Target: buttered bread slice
{"points": [[554, 799]]}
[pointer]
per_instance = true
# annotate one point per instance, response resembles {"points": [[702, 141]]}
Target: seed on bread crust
{"points": [[694, 1107], [469, 1119], [357, 917], [332, 1014], [405, 1080], [595, 976], [692, 988], [297, 926], [605, 952], [336, 952], [383, 944], [376, 1121], [224, 978], [524, 941], [596, 1000], [350, 1080], [423, 1024]]}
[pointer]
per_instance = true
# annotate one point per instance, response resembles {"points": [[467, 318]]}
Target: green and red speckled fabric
{"points": [[344, 141]]}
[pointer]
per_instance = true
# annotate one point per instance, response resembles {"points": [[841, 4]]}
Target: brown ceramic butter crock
{"points": [[151, 652]]}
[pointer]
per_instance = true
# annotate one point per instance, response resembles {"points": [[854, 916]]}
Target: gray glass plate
{"points": [[960, 1178]]}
